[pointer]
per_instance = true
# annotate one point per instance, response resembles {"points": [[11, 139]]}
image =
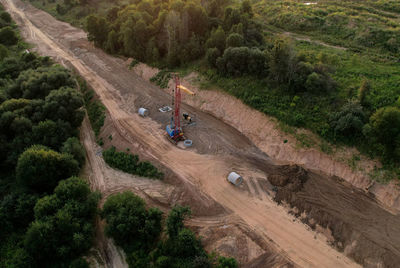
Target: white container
{"points": [[188, 143], [143, 112], [235, 178]]}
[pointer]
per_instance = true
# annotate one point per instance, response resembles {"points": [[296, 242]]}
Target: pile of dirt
{"points": [[289, 179], [360, 228]]}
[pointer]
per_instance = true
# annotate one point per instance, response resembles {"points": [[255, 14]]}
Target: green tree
{"points": [[129, 223], [315, 83], [245, 7], [349, 121], [363, 92], [37, 84], [8, 36], [40, 168], [175, 219], [224, 262], [3, 52], [65, 104], [16, 212], [49, 133], [97, 28], [5, 16], [212, 56], [282, 61], [234, 40], [385, 125], [112, 45], [217, 39], [63, 229], [73, 147]]}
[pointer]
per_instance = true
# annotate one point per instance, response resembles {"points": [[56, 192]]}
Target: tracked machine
{"points": [[174, 129]]}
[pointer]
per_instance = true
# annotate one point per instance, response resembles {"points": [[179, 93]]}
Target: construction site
{"points": [[255, 196]]}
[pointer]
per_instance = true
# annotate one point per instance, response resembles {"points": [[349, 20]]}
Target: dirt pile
{"points": [[359, 227], [288, 180]]}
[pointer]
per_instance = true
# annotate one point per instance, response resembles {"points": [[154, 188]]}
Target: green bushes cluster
{"points": [[161, 78], [63, 228], [95, 109], [129, 163], [40, 111], [139, 231]]}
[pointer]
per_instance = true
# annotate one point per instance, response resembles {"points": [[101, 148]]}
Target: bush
{"points": [[212, 56], [238, 61], [96, 113], [385, 126], [130, 164], [162, 78], [5, 17], [234, 40], [348, 123], [8, 36], [3, 52], [129, 223], [40, 168], [63, 229], [73, 147], [37, 84]]}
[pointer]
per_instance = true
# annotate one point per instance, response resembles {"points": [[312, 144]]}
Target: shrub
{"points": [[5, 17], [40, 168], [73, 147], [238, 61], [63, 229], [130, 164], [8, 36], [349, 121], [385, 126], [212, 56], [96, 114], [234, 40], [129, 223]]}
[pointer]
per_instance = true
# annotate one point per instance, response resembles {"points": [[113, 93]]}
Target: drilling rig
{"points": [[174, 129]]}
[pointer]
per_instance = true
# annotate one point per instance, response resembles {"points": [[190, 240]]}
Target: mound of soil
{"points": [[361, 229], [288, 180]]}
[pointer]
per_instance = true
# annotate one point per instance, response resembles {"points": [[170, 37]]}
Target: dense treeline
{"points": [[139, 231], [46, 213], [172, 33]]}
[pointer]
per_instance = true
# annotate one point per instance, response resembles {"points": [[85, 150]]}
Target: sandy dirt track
{"points": [[205, 167]]}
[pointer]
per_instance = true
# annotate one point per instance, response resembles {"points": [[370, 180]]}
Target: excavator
{"points": [[174, 129]]}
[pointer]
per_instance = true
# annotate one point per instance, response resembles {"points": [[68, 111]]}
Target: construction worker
{"points": [[187, 117]]}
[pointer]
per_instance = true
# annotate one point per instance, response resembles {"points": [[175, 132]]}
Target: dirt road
{"points": [[219, 149]]}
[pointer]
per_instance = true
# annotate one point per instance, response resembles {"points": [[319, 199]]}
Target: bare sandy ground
{"points": [[201, 171]]}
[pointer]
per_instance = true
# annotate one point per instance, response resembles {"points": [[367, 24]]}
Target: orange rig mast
{"points": [[174, 130]]}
